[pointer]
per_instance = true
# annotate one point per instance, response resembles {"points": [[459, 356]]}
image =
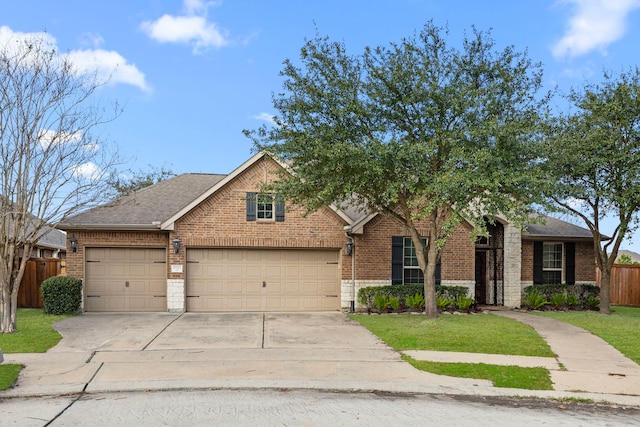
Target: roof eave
{"points": [[109, 227]]}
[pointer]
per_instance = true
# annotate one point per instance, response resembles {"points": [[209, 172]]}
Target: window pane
{"points": [[413, 275], [552, 277], [552, 256], [265, 206]]}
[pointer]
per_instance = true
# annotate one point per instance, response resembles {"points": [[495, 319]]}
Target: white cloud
{"points": [[49, 136], [595, 25], [109, 65], [265, 117], [88, 170], [193, 28]]}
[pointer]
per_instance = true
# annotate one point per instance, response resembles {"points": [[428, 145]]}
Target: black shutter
{"points": [[279, 208], [538, 277], [570, 263], [251, 206], [438, 274], [397, 259]]}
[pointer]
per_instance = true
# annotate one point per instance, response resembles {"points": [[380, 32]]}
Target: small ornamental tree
{"points": [[51, 166], [592, 160]]}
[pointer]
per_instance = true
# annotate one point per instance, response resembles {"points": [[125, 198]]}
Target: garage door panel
{"points": [[296, 280], [125, 279]]}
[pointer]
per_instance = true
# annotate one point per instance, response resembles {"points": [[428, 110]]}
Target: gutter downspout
{"points": [[352, 307]]}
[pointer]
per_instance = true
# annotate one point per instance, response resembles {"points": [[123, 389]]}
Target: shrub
{"points": [[593, 303], [367, 296], [573, 300], [416, 301], [582, 291], [394, 303], [534, 300], [61, 294], [443, 302], [463, 303], [382, 302], [558, 300]]}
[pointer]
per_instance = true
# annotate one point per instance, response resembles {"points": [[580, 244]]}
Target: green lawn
{"points": [[621, 329], [35, 335], [483, 333]]}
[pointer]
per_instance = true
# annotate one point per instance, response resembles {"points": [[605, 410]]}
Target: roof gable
{"points": [[146, 208]]}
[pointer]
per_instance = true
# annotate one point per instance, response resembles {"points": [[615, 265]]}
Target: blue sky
{"points": [[193, 74]]}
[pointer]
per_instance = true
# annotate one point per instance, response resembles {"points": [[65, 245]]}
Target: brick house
{"points": [[205, 242]]}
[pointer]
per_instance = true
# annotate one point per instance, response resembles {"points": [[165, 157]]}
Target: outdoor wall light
{"points": [[349, 247], [176, 245], [74, 244]]}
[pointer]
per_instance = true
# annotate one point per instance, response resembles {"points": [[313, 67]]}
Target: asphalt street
{"points": [[303, 408]]}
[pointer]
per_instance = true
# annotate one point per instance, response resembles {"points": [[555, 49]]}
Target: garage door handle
{"points": [[126, 284], [331, 296], [264, 284]]}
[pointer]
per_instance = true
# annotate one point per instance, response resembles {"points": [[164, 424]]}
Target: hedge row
{"points": [[367, 296], [584, 292]]}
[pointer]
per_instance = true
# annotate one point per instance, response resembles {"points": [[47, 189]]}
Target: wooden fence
{"points": [[625, 284], [37, 270]]}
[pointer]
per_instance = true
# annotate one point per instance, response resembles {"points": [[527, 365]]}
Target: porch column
{"points": [[512, 265]]}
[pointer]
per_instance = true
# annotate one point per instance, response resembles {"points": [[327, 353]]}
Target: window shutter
{"points": [[251, 206], [279, 208], [538, 278], [397, 256], [570, 263], [438, 274]]}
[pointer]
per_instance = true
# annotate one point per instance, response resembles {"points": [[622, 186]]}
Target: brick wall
{"points": [[373, 251], [585, 262]]}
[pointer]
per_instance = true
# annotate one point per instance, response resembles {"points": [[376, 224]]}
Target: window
{"points": [[411, 271], [265, 207], [552, 262], [404, 262]]}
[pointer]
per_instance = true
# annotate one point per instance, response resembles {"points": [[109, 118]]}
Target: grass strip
{"points": [[500, 376], [9, 375]]}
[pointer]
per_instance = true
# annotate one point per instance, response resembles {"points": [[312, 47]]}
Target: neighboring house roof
{"points": [[635, 257], [146, 208], [553, 228], [53, 238]]}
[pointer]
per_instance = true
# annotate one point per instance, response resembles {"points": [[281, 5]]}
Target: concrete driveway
{"points": [[145, 351]]}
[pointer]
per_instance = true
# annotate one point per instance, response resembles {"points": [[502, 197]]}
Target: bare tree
{"points": [[51, 165]]}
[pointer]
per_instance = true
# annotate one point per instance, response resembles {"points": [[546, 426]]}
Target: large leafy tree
{"points": [[51, 166], [413, 130], [593, 163], [128, 182]]}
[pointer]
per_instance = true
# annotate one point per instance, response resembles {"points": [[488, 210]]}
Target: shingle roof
{"points": [[52, 238], [148, 207], [556, 228]]}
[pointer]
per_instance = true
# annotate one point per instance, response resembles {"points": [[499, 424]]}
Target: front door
{"points": [[481, 277]]}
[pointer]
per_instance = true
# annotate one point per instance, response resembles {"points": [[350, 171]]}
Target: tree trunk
{"points": [[9, 309], [430, 306], [605, 289]]}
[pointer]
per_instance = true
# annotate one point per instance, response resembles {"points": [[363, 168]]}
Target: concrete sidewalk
{"points": [[587, 363]]}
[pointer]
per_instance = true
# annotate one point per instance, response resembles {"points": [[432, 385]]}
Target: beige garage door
{"points": [[125, 279], [262, 280]]}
